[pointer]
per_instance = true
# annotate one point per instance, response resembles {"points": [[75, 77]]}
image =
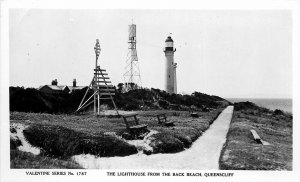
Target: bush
{"points": [[33, 100], [166, 143], [26, 160], [131, 106], [245, 106], [278, 112], [27, 100], [14, 143], [164, 104], [58, 141]]}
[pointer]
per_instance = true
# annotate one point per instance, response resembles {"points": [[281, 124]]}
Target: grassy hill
{"points": [[242, 152], [52, 125]]}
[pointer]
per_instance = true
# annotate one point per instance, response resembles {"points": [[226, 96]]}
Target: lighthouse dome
{"points": [[169, 39], [169, 43]]}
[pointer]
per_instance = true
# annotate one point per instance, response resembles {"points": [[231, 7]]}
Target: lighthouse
{"points": [[170, 66]]}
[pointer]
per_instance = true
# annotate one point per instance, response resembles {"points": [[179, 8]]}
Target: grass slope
{"points": [[67, 135], [241, 152], [25, 160]]}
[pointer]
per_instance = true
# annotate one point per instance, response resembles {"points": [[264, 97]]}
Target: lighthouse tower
{"points": [[170, 66]]}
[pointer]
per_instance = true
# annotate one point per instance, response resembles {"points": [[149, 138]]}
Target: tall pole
{"points": [[95, 106], [97, 86], [97, 51], [98, 103], [96, 81], [131, 71]]}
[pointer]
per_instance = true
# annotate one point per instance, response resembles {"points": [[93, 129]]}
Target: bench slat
{"points": [[138, 126], [255, 135], [129, 115], [162, 119], [107, 93]]}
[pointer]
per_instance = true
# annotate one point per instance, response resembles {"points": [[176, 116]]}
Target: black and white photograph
{"points": [[148, 93]]}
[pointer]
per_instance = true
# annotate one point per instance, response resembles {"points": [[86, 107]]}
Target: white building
{"points": [[170, 66]]}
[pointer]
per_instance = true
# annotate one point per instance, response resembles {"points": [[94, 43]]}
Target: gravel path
{"points": [[204, 153]]}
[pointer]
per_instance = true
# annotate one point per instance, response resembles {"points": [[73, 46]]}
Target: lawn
{"points": [[241, 152], [62, 136]]}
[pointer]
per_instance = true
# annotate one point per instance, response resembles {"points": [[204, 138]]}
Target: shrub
{"points": [[278, 112], [164, 104], [26, 160], [166, 143], [58, 141], [14, 143], [131, 106]]}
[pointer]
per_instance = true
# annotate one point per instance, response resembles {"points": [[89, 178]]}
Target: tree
{"points": [[120, 87]]}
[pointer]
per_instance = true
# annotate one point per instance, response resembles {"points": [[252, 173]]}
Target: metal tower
{"points": [[100, 85], [132, 75]]}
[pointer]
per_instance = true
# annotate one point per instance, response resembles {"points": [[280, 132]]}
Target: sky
{"points": [[229, 53]]}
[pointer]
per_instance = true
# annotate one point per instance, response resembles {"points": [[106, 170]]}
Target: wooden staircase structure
{"points": [[103, 89]]}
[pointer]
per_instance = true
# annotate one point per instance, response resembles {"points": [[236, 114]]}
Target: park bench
{"points": [[133, 126], [162, 120], [194, 115], [256, 137]]}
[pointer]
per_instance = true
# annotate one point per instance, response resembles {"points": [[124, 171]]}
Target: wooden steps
{"points": [[103, 84]]}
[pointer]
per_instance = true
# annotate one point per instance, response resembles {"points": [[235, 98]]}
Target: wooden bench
{"points": [[256, 136], [194, 115], [133, 126], [162, 120]]}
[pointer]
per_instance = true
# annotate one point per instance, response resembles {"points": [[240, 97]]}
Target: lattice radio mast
{"points": [[100, 85], [132, 75]]}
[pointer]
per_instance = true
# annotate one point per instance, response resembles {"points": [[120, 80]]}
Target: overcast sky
{"points": [[229, 53]]}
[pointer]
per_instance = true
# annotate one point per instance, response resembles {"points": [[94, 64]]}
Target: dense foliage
{"points": [[59, 141], [33, 100]]}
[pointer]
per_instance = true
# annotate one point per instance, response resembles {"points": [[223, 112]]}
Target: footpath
{"points": [[204, 153]]}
